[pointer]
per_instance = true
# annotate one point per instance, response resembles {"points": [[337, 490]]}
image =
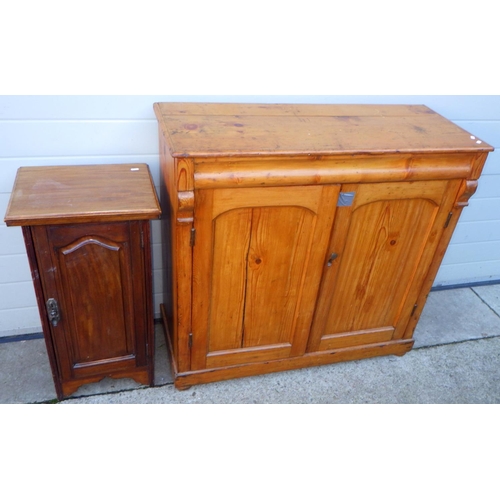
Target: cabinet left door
{"points": [[257, 267], [94, 274]]}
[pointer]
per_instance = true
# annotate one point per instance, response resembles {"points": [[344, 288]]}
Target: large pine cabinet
{"points": [[299, 235]]}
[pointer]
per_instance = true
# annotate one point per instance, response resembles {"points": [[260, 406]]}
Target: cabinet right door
{"points": [[382, 244]]}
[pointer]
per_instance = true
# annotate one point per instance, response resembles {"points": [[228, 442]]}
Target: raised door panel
{"points": [[382, 246], [258, 260], [95, 299], [89, 269]]}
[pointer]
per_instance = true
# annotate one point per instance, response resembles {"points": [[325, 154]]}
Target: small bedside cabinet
{"points": [[87, 235]]}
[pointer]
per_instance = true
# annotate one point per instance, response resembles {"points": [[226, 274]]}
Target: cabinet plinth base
{"points": [[184, 380], [142, 376]]}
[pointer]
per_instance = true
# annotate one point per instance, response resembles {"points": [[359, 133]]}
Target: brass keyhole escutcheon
{"points": [[53, 311]]}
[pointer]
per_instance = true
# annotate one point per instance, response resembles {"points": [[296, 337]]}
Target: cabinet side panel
{"points": [[142, 292], [145, 276], [167, 232], [40, 298], [456, 199], [177, 203]]}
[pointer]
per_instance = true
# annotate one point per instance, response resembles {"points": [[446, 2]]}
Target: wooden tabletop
{"points": [[206, 129], [88, 193]]}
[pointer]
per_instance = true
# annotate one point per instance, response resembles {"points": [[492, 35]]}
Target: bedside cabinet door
{"points": [[93, 274], [383, 244], [257, 264]]}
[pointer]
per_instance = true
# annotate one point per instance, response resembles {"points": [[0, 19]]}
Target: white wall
{"points": [[52, 130]]}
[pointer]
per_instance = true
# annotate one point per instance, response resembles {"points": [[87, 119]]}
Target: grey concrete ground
{"points": [[456, 359]]}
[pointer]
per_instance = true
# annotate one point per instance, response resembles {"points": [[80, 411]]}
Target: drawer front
{"points": [[304, 171]]}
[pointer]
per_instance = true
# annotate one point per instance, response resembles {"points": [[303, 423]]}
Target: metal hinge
{"points": [[193, 237], [190, 340], [448, 219]]}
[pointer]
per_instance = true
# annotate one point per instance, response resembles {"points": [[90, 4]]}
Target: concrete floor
{"points": [[456, 359]]}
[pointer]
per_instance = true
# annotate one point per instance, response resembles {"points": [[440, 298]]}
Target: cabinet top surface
{"points": [[87, 193], [207, 129]]}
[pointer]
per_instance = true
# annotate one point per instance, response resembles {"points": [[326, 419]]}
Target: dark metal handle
{"points": [[333, 256], [53, 311]]}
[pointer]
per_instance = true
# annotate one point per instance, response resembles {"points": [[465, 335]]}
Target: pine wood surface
{"points": [[224, 172], [266, 272], [177, 224], [206, 130], [258, 261], [63, 194], [385, 242]]}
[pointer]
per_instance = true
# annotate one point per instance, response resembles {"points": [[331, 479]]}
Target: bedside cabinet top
{"points": [[84, 193], [208, 130]]}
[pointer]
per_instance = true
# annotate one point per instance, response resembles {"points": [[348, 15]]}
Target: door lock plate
{"points": [[53, 311]]}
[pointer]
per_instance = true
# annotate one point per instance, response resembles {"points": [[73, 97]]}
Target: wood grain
{"points": [[98, 275], [256, 271], [280, 242], [187, 379], [94, 261], [279, 277], [385, 242], [239, 172], [232, 234], [205, 130], [177, 222], [456, 204], [40, 299], [77, 194]]}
